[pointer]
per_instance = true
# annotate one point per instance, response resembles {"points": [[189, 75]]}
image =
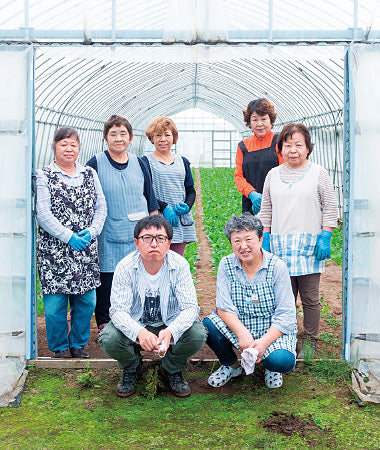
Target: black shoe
{"points": [[175, 382], [127, 384], [62, 354], [79, 353]]}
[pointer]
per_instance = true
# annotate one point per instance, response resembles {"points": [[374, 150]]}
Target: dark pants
{"points": [[308, 288], [127, 352], [103, 295], [277, 361]]}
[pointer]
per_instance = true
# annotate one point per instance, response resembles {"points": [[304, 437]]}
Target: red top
{"points": [[252, 143]]}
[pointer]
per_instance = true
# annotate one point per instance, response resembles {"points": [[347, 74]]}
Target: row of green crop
{"points": [[221, 199]]}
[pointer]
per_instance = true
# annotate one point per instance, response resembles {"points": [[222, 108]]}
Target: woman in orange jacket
{"points": [[256, 155]]}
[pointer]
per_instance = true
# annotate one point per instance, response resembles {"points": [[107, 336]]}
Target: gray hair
{"points": [[244, 222]]}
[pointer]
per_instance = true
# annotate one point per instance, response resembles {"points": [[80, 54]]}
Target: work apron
{"points": [[256, 306], [256, 165]]}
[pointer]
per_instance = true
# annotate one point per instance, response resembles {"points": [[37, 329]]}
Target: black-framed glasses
{"points": [[148, 238]]}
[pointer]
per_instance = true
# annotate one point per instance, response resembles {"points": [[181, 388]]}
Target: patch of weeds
{"points": [[331, 370], [332, 322], [152, 383], [329, 338], [87, 379], [337, 245], [325, 311], [299, 311], [308, 351]]}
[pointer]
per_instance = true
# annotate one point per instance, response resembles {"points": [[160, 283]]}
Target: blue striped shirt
{"points": [[178, 299]]}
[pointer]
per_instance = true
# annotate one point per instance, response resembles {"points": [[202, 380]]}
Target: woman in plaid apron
{"points": [[299, 213], [254, 307]]}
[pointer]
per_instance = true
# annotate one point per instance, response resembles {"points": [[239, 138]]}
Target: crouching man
{"points": [[153, 308]]}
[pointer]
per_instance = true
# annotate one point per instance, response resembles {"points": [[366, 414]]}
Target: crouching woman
{"points": [[254, 307]]}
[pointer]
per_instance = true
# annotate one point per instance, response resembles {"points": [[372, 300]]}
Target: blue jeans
{"points": [[278, 361], [81, 310]]}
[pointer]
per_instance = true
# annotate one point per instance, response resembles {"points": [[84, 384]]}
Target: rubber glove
{"points": [[322, 248], [85, 234], [255, 198], [266, 241], [171, 216], [181, 208], [77, 242]]}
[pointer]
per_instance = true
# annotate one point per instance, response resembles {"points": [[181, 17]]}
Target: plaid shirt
{"points": [[256, 306]]}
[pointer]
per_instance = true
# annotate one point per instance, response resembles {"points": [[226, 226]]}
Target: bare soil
{"points": [[330, 290], [289, 424]]}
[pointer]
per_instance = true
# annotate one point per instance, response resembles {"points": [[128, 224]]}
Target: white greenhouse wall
{"points": [[364, 65], [16, 119]]}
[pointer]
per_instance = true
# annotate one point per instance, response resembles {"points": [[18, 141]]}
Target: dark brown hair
{"points": [[288, 131], [116, 121], [159, 125], [63, 133], [260, 106]]}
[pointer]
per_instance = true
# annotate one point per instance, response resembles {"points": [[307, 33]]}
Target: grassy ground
{"points": [[56, 413]]}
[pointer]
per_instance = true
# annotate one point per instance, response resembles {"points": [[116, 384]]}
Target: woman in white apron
{"points": [[299, 211], [254, 306]]}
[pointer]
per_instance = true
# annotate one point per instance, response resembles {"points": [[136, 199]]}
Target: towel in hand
{"points": [[248, 359]]}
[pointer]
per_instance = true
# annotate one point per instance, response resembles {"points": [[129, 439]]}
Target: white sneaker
{"points": [[273, 380], [223, 375]]}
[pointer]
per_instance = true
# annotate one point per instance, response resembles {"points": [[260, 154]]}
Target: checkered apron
{"points": [[256, 306]]}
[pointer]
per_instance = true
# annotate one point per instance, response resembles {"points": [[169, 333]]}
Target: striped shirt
{"points": [[326, 195], [178, 299], [45, 216]]}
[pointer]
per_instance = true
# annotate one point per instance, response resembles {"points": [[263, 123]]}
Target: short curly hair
{"points": [[244, 222], [117, 121], [260, 106], [288, 131], [159, 125], [64, 133]]}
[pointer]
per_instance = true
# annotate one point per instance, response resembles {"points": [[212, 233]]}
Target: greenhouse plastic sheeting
{"points": [[15, 222], [363, 306]]}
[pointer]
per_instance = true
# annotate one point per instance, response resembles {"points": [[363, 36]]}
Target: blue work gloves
{"points": [[322, 248], [85, 234], [266, 241], [181, 208], [171, 216], [255, 198], [77, 243]]}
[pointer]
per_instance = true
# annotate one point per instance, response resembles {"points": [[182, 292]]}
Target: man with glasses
{"points": [[153, 308]]}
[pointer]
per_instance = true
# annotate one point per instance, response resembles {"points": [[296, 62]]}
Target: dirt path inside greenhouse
{"points": [[330, 291]]}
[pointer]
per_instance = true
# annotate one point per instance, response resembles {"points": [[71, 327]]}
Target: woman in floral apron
{"points": [[254, 306], [71, 210]]}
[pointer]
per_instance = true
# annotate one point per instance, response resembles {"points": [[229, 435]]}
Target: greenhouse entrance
{"points": [[82, 87]]}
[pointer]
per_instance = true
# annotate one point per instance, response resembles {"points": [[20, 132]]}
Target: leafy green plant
{"points": [[152, 383], [191, 255], [220, 200], [40, 303], [337, 245], [329, 338], [332, 322], [87, 379]]}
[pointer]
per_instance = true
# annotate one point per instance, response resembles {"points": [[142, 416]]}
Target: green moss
{"points": [[56, 413]]}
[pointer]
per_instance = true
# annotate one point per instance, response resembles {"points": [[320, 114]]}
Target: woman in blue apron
{"points": [[254, 307], [172, 181]]}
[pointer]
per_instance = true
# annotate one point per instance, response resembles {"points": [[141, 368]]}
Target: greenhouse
{"points": [[75, 63]]}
